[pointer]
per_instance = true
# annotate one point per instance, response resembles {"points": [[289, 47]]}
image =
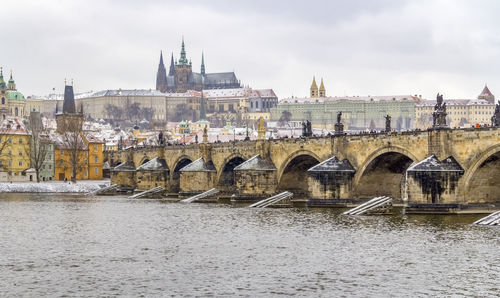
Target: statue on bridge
{"points": [[161, 139], [495, 119], [306, 129], [439, 114], [339, 127], [388, 123]]}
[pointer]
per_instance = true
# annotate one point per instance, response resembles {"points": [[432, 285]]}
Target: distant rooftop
{"points": [[309, 100]]}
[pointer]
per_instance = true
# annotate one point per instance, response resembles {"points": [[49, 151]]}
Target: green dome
{"points": [[182, 123], [15, 95]]}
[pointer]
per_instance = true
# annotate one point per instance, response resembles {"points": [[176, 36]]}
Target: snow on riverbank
{"points": [[53, 187]]}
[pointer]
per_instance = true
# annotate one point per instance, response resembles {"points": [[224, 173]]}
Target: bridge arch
{"points": [[144, 160], [482, 176], [383, 172], [225, 174], [175, 177], [292, 173]]}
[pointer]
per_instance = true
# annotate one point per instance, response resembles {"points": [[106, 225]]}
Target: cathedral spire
{"points": [[183, 60], [161, 76], [202, 64], [171, 71]]}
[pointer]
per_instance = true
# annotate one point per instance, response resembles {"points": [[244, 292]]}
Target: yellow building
{"points": [[89, 157], [95, 157], [14, 150]]}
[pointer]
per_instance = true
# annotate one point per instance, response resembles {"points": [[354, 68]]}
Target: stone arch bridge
{"points": [[449, 166]]}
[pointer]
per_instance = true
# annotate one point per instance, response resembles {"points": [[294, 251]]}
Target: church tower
{"points": [[69, 120], [183, 71], [322, 90], [171, 71], [314, 89], [4, 103], [486, 95], [161, 76], [12, 85], [202, 64]]}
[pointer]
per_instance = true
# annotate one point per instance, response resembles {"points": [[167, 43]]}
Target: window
{"points": [[20, 163], [10, 163], [50, 167], [20, 153], [86, 173], [95, 148], [20, 141], [10, 152], [10, 140], [95, 159], [61, 152], [95, 171]]}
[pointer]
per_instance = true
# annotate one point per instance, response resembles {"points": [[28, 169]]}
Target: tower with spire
{"points": [[4, 103], [314, 89], [202, 64], [69, 120], [161, 76], [486, 95], [12, 85], [322, 90]]}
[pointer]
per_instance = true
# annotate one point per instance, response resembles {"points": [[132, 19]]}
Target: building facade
{"points": [[460, 112], [358, 113], [14, 150], [181, 77]]}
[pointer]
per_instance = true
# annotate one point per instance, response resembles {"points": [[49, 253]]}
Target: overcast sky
{"points": [[358, 47]]}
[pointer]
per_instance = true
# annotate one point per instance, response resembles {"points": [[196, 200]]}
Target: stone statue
{"points": [[495, 119], [306, 128], [196, 138], [439, 114], [339, 127], [387, 123], [439, 99], [160, 138]]}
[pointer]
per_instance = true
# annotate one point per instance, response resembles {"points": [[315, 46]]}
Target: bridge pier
{"points": [[197, 177], [330, 180], [255, 179]]}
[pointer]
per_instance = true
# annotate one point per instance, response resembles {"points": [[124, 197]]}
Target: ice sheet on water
{"points": [[52, 187]]}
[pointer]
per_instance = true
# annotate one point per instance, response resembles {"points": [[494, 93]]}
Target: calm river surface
{"points": [[69, 245]]}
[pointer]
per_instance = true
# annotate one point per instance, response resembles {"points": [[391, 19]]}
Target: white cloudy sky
{"points": [[359, 47]]}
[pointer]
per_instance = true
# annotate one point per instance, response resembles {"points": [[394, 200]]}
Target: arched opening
{"points": [[226, 178], [294, 177], [384, 176], [145, 161], [483, 185], [176, 175], [16, 113]]}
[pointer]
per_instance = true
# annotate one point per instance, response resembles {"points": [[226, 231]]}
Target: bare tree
{"points": [[73, 142], [39, 143], [286, 116]]}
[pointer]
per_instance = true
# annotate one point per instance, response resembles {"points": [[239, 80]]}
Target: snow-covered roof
{"points": [[13, 126], [456, 102], [432, 164], [256, 163], [156, 164], [199, 165], [309, 100], [333, 165]]}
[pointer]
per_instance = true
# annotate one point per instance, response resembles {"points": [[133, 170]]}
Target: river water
{"points": [[70, 245]]}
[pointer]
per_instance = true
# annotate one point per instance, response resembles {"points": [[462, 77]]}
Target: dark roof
{"points": [[333, 165], [69, 101], [156, 164], [432, 164], [256, 163], [199, 165], [220, 77]]}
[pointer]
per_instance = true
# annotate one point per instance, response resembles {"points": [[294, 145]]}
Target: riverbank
{"points": [[83, 186]]}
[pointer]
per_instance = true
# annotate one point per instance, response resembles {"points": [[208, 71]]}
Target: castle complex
{"points": [[181, 77]]}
